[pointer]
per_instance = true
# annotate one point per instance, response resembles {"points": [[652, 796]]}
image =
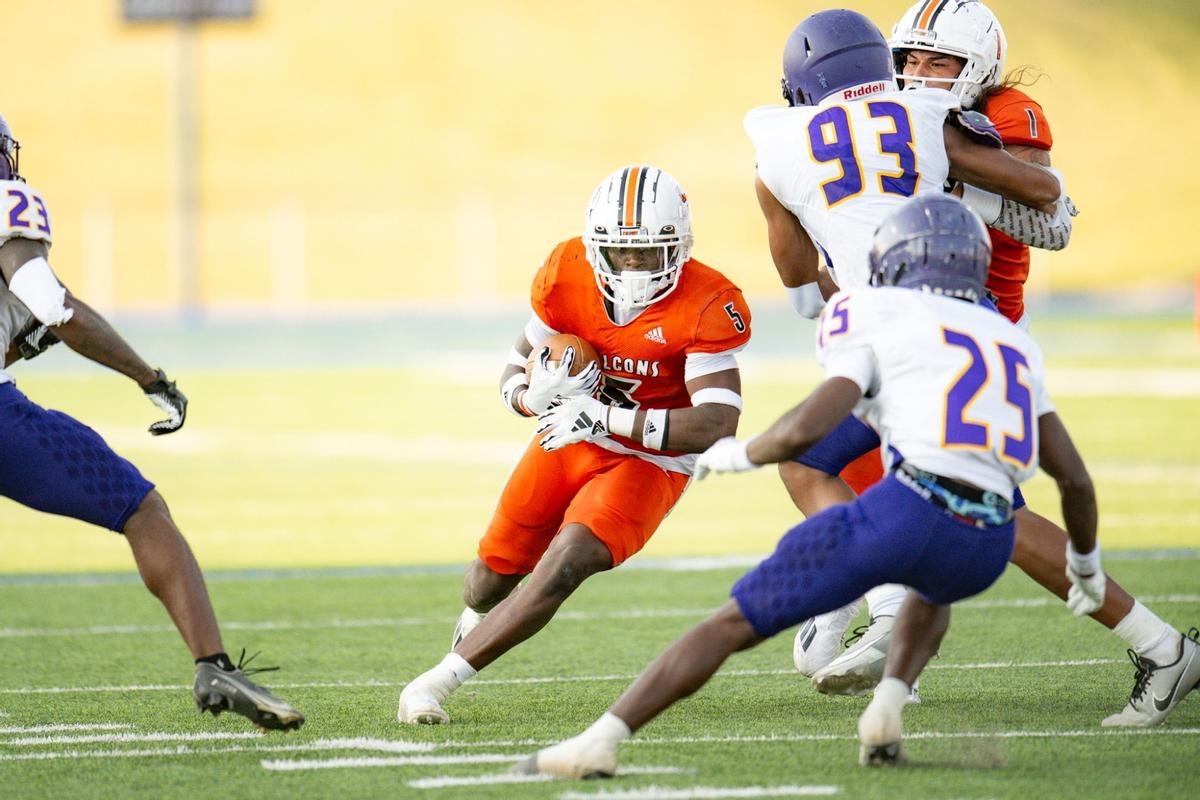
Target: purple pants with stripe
{"points": [[54, 463]]}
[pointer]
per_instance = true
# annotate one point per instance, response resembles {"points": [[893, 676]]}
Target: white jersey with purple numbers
{"points": [[842, 167], [23, 215], [952, 387]]}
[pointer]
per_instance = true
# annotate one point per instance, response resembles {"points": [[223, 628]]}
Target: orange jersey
{"points": [[643, 360], [1020, 121]]}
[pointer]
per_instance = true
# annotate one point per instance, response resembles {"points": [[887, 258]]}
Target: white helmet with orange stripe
{"points": [[638, 235], [965, 29]]}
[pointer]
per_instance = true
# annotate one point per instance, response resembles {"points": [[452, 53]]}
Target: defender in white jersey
{"points": [[941, 522], [54, 463], [851, 147]]}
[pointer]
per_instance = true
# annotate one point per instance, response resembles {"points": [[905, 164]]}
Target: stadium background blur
{"points": [[377, 181], [384, 152]]}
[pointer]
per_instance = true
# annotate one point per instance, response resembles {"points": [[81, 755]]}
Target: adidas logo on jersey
{"points": [[656, 335]]}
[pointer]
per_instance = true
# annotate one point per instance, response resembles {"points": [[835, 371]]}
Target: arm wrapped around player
{"points": [[1036, 228]]}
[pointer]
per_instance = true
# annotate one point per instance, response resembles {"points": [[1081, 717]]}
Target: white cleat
{"points": [[819, 639], [1158, 688], [467, 621], [860, 668], [880, 729], [420, 705], [577, 758]]}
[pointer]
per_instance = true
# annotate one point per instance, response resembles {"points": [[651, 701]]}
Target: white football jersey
{"points": [[23, 215], [952, 387], [842, 167]]}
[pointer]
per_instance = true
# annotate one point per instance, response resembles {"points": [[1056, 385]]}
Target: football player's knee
{"points": [[483, 588]]}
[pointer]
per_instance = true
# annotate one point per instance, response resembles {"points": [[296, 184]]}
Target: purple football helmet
{"points": [[10, 150], [935, 244], [832, 51]]}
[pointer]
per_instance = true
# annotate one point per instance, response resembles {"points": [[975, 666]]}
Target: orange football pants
{"points": [[864, 471], [621, 499]]}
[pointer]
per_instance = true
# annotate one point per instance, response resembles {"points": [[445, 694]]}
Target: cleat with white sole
{"points": [[819, 639], [218, 690], [467, 621], [880, 728], [858, 670], [580, 758], [1158, 688], [420, 705]]}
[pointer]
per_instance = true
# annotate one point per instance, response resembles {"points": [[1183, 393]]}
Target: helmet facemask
{"points": [[10, 152], [638, 208], [968, 31]]}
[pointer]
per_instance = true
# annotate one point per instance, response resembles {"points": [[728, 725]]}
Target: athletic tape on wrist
{"points": [[1084, 564], [514, 385], [807, 300], [654, 428], [516, 359], [985, 204], [620, 421], [34, 285]]}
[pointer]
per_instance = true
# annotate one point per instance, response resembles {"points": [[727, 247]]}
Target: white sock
{"points": [[885, 600], [609, 729], [1148, 635], [893, 692], [458, 667]]}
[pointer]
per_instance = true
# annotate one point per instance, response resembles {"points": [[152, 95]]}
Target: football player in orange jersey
{"points": [[609, 462], [959, 45]]}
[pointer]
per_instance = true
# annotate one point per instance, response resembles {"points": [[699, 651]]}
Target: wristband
{"points": [[985, 204], [807, 300], [1084, 565], [620, 421], [654, 428], [34, 285], [515, 386]]}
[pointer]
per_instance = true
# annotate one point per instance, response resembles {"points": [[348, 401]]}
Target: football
{"points": [[584, 352]]}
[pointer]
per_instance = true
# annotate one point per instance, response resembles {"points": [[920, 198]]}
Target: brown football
{"points": [[584, 352]]}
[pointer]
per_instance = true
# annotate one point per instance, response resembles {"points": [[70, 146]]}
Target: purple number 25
{"points": [[962, 431]]}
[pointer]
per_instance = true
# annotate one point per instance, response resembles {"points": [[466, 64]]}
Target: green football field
{"points": [[333, 480]]}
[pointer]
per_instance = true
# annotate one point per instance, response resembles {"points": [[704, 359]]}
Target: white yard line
{"points": [[581, 616], [702, 793], [379, 684], [446, 781]]}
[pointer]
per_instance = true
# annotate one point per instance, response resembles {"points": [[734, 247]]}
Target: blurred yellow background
{"points": [[388, 152]]}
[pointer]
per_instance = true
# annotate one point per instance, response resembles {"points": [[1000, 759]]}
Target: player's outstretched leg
{"points": [[1158, 688]]}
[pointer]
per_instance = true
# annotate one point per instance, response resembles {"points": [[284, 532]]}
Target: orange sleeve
{"points": [[724, 324], [544, 283], [1019, 119]]}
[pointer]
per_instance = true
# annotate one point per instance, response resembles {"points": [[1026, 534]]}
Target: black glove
{"points": [[164, 395], [34, 339]]}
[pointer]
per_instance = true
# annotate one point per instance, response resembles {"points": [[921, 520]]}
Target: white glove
{"points": [[1086, 594], [546, 384], [575, 419], [725, 455]]}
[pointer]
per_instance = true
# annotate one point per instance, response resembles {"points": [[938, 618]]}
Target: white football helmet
{"points": [[963, 28], [9, 153], [638, 207]]}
